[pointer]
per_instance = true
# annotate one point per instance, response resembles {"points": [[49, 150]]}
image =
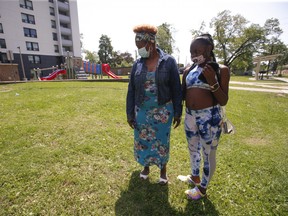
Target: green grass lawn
{"points": [[66, 149]]}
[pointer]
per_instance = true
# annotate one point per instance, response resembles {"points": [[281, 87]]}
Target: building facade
{"points": [[38, 34]]}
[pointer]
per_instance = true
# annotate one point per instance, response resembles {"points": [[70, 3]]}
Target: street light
{"points": [[24, 75], [68, 64]]}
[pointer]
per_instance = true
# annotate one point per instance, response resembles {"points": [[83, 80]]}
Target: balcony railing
{"points": [[63, 6], [65, 31], [64, 19]]}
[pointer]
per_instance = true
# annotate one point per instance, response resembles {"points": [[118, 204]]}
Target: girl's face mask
{"points": [[143, 52], [198, 60]]}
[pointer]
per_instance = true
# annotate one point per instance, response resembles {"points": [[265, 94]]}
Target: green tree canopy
{"points": [[237, 40], [91, 56], [164, 38], [234, 39], [105, 52]]}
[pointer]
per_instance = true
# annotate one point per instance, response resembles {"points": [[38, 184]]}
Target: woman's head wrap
{"points": [[145, 36], [145, 32]]}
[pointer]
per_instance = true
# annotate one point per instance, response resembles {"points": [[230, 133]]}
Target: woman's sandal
{"points": [[144, 177], [194, 194], [163, 181], [187, 179]]}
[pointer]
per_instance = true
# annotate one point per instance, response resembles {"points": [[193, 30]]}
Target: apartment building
{"points": [[38, 33]]}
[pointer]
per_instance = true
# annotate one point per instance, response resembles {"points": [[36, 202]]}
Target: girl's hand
{"points": [[210, 74]]}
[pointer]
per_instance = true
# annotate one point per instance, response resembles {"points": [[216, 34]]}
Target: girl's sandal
{"points": [[194, 194]]}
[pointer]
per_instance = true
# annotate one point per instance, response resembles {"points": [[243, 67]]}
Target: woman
{"points": [[153, 100], [205, 87]]}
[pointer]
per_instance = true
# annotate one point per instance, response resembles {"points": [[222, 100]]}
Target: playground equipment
{"points": [[106, 69], [92, 68], [53, 75], [97, 69], [37, 72]]}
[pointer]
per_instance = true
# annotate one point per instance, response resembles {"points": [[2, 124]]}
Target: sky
{"points": [[116, 19]]}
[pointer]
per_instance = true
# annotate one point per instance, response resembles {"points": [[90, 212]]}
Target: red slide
{"points": [[54, 74], [106, 69]]}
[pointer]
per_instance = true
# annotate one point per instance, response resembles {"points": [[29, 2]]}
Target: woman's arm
{"points": [[130, 98]]}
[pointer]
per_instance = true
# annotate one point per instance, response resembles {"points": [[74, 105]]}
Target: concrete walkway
{"points": [[279, 91], [279, 88], [281, 79]]}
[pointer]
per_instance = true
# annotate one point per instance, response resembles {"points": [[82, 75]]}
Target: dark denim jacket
{"points": [[167, 81]]}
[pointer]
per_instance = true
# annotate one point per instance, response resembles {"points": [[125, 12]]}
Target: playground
{"points": [[75, 72], [66, 149]]}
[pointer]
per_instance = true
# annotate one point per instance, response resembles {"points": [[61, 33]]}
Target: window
{"points": [[55, 38], [3, 58], [2, 43], [32, 46], [66, 49], [26, 4], [65, 37], [64, 1], [56, 48], [64, 25], [52, 11], [1, 28], [51, 1], [53, 24], [64, 13], [28, 18], [34, 59], [30, 32]]}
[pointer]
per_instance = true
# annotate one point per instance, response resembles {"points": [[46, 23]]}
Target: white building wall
{"points": [[43, 27], [10, 17], [75, 28]]}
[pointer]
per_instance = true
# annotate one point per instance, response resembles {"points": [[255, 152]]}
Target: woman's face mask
{"points": [[143, 52], [198, 59]]}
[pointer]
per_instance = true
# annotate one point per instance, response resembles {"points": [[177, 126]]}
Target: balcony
{"points": [[64, 19], [67, 42], [65, 31], [63, 6], [65, 53]]}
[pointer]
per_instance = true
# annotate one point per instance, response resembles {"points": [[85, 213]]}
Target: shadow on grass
{"points": [[145, 198], [199, 207]]}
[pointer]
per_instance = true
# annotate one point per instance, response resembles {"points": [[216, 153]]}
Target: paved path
{"points": [[279, 88], [279, 91], [281, 79]]}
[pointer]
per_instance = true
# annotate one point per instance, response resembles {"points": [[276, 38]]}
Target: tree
{"points": [[234, 39], [164, 38], [127, 59], [200, 31], [105, 52], [273, 44], [122, 59], [237, 41], [91, 56]]}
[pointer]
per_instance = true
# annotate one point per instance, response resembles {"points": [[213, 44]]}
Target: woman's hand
{"points": [[131, 123], [176, 121]]}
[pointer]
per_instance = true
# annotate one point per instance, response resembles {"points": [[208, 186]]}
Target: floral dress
{"points": [[153, 126]]}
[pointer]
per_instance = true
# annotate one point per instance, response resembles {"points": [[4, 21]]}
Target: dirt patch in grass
{"points": [[257, 141]]}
